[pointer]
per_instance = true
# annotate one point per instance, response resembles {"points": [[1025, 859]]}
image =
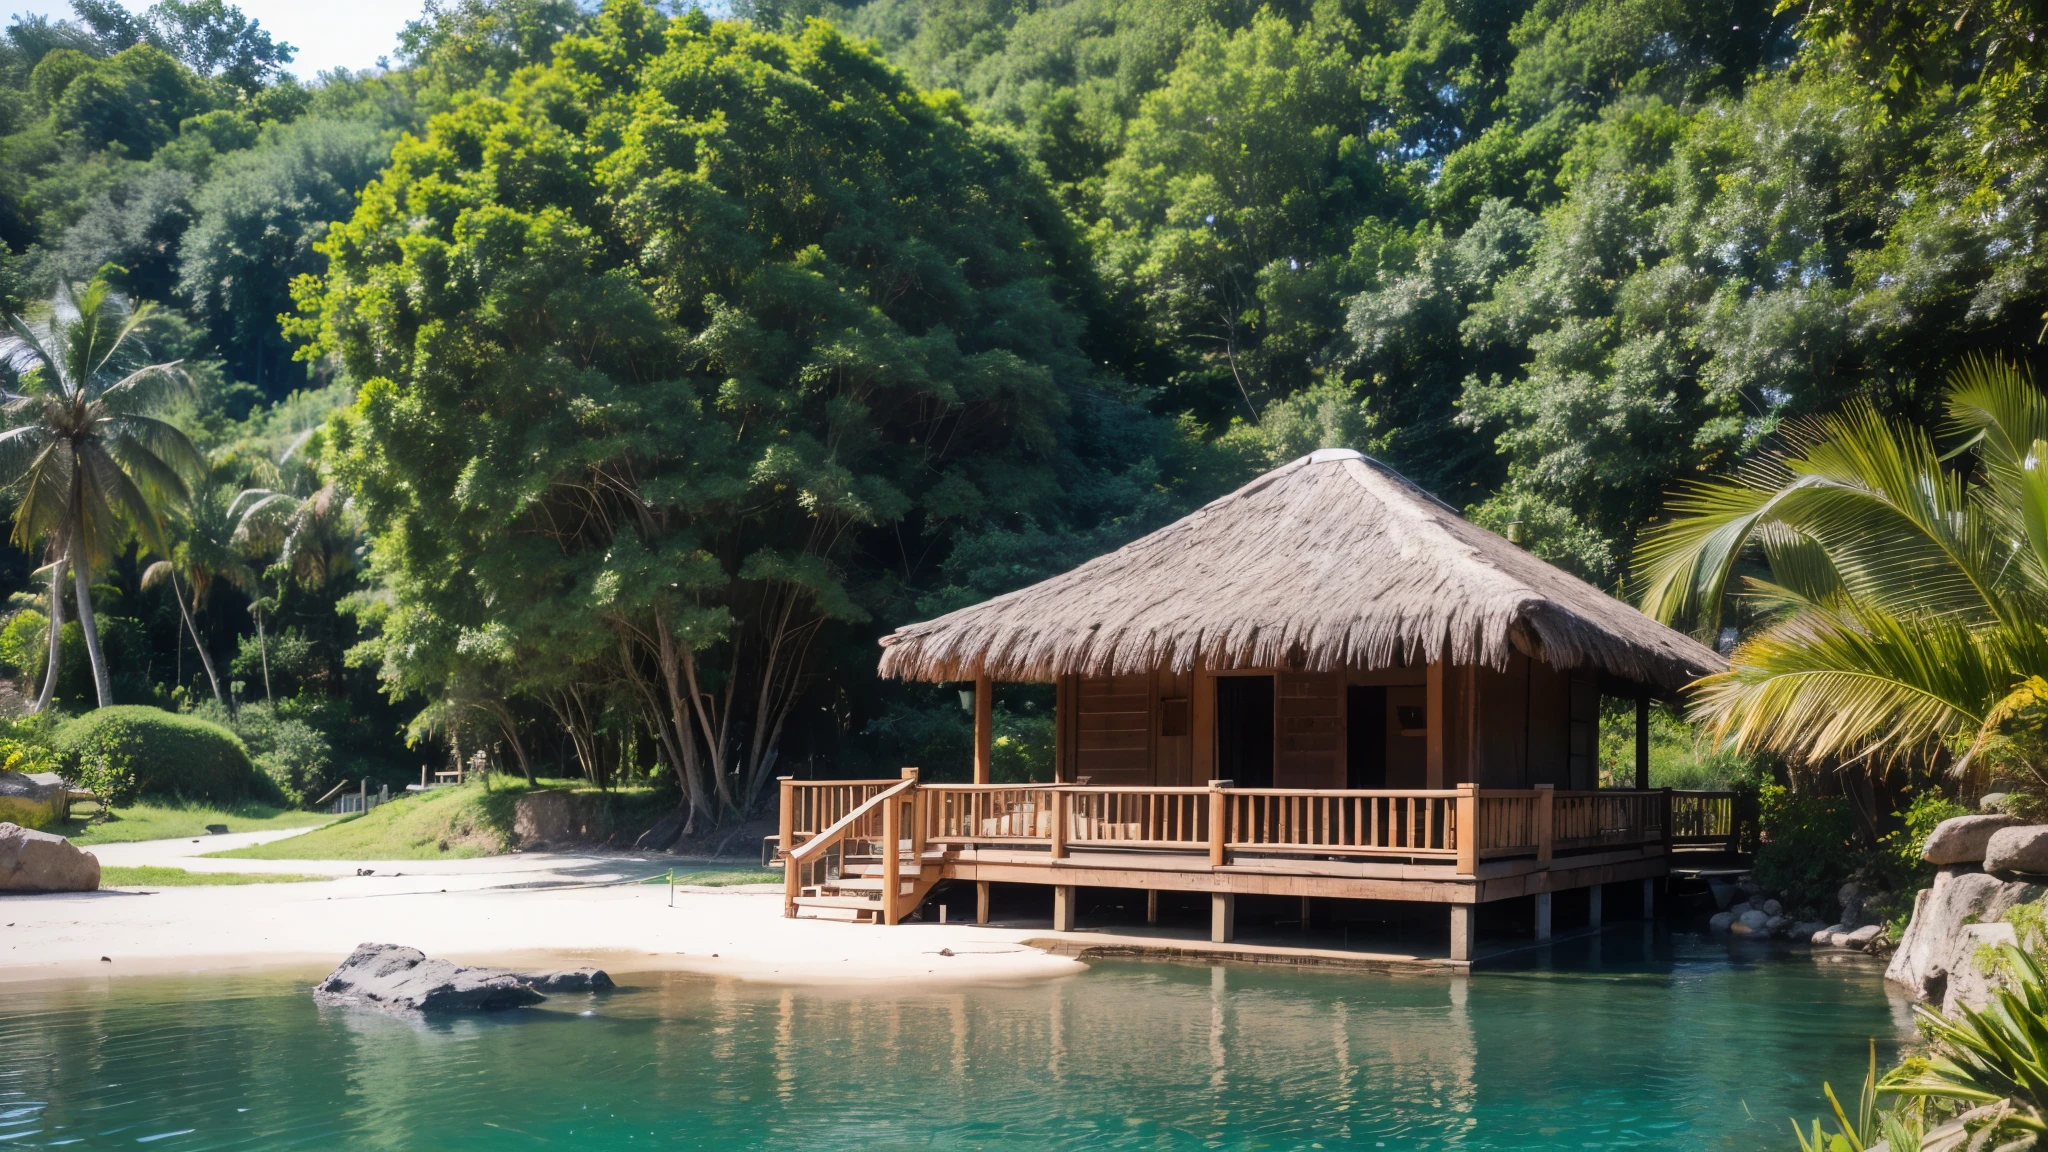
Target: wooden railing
{"points": [[1722, 819], [874, 827], [1464, 825]]}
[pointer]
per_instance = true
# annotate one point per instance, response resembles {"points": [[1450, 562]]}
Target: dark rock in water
{"points": [[32, 861], [404, 979], [574, 980]]}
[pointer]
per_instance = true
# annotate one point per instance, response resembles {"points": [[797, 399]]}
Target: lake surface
{"points": [[1638, 1039]]}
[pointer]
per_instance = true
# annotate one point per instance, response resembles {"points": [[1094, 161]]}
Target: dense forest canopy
{"points": [[594, 383]]}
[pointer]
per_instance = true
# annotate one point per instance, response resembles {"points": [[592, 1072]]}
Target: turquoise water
{"points": [[1631, 1042]]}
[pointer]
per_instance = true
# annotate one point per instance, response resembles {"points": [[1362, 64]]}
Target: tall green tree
{"points": [[90, 460], [691, 354]]}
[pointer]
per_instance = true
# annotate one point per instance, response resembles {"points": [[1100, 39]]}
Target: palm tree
{"points": [[1907, 590], [93, 463], [206, 551]]}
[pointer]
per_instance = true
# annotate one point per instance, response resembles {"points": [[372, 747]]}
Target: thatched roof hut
{"points": [[1333, 561]]}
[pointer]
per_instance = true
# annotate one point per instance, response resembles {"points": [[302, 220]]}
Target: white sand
{"points": [[529, 910]]}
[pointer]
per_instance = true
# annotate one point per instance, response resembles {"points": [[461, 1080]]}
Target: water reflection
{"points": [[1668, 1044]]}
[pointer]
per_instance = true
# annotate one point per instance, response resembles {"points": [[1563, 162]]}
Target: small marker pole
{"points": [[671, 887]]}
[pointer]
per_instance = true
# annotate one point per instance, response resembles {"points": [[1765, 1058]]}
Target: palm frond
{"points": [[1846, 680]]}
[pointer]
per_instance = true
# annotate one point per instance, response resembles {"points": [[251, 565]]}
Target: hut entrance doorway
{"points": [[1244, 730], [1365, 731]]}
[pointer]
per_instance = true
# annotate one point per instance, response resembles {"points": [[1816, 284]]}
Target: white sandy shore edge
{"points": [[528, 910]]}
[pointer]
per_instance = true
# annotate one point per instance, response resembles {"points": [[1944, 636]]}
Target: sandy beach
{"points": [[528, 910]]}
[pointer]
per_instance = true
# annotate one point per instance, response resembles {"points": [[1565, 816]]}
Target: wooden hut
{"points": [[1327, 684], [1329, 625]]}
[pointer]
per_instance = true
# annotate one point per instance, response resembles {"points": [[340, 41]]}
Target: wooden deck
{"points": [[1459, 847]]}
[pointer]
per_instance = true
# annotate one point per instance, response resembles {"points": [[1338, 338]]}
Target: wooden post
{"points": [[787, 831], [892, 858], [1058, 800], [981, 901], [1546, 822], [1593, 906], [1151, 905], [916, 829], [1433, 719], [1649, 898], [1304, 913], [1063, 908], [1642, 741], [1466, 828], [1543, 915], [1462, 916], [1222, 917], [984, 728], [1219, 823]]}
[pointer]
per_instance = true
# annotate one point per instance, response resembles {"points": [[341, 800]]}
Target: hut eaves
{"points": [[1334, 560]]}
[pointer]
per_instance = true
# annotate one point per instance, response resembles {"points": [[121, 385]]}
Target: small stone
{"points": [[1820, 935], [1773, 908], [2023, 849], [1740, 929], [1991, 802], [1863, 937], [1774, 923], [1756, 918], [1739, 909], [1720, 922], [1963, 839]]}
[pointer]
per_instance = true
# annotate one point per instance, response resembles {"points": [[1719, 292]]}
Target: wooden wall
{"points": [[1527, 724]]}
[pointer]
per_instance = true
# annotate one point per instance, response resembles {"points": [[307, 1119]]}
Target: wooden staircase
{"points": [[856, 894]]}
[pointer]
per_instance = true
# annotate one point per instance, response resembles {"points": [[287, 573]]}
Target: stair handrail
{"points": [[795, 858]]}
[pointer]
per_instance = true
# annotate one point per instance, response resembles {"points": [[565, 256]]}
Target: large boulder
{"points": [[404, 979], [1974, 968], [2018, 850], [32, 861], [1963, 839], [33, 801], [1957, 900]]}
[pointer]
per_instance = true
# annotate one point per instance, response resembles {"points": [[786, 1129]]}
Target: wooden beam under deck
{"points": [[1347, 880]]}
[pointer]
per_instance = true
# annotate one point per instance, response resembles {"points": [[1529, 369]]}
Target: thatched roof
{"points": [[1332, 561]]}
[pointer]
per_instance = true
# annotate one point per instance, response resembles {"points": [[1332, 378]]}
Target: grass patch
{"points": [[713, 876], [151, 876], [445, 824], [179, 821]]}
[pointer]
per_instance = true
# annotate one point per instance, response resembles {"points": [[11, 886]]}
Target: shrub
{"points": [[293, 754], [126, 751], [1811, 847]]}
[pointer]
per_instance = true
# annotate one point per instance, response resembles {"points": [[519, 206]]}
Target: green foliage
{"points": [[156, 876], [1900, 1128], [446, 823], [666, 415], [1900, 848], [295, 755], [1812, 845], [1995, 1055], [126, 751]]}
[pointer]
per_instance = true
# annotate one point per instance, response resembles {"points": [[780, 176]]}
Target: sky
{"points": [[327, 33]]}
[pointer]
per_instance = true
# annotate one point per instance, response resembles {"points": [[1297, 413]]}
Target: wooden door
{"points": [[1113, 729], [1308, 730]]}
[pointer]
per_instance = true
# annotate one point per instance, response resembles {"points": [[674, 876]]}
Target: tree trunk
{"points": [[263, 648], [205, 661], [56, 631], [82, 580]]}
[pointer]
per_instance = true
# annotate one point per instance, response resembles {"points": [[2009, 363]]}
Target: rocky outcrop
{"points": [[1963, 839], [32, 861], [397, 978], [574, 980], [33, 801], [1937, 940], [2018, 850]]}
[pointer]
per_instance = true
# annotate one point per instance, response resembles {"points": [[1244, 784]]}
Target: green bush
{"points": [[296, 756], [1811, 847], [126, 751]]}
